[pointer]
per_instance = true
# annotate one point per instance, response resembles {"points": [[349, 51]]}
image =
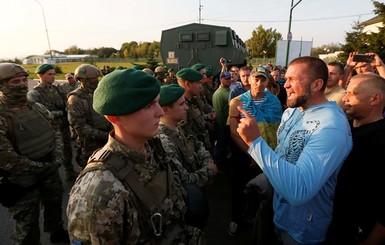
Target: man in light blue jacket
{"points": [[313, 138]]}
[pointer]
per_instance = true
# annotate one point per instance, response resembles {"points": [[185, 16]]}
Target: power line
{"points": [[274, 21]]}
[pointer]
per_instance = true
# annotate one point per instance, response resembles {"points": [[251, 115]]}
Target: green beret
{"points": [[137, 67], [170, 93], [209, 72], [122, 92], [41, 69], [120, 68], [189, 74], [198, 66]]}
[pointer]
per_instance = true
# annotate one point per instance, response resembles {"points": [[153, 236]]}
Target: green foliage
{"points": [[263, 42], [57, 69], [16, 60], [74, 50], [62, 68], [357, 40], [128, 50]]}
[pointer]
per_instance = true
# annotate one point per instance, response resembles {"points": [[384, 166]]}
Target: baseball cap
{"points": [[225, 74], [260, 71], [68, 75]]}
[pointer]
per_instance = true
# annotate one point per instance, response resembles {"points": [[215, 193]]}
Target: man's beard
{"points": [[300, 101]]}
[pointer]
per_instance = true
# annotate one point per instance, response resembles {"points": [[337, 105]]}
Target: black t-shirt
{"points": [[359, 197]]}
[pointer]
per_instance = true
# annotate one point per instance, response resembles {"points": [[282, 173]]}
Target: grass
{"points": [[71, 67]]}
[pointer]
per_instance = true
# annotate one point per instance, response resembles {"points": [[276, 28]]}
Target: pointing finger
{"points": [[244, 112]]}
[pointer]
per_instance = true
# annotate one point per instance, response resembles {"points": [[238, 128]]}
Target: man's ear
{"points": [[165, 109], [317, 85], [376, 99], [112, 119]]}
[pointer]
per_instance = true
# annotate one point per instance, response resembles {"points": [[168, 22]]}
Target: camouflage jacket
{"points": [[51, 97], [82, 116], [192, 156], [102, 211], [67, 88], [195, 123], [22, 169]]}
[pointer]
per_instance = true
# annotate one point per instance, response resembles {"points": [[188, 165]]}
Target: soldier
{"points": [[31, 150], [66, 88], [197, 167], [197, 164], [54, 100], [127, 194], [160, 73], [92, 128], [70, 85], [205, 104], [171, 73], [191, 81]]}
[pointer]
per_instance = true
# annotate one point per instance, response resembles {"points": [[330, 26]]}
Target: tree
{"points": [[131, 49], [74, 50], [357, 40], [263, 42]]}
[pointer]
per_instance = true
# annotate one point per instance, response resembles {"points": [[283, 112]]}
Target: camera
{"points": [[362, 58], [224, 61]]}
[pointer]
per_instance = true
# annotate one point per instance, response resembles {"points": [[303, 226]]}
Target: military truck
{"points": [[187, 45]]}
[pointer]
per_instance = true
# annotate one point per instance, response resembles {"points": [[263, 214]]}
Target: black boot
{"points": [[59, 235]]}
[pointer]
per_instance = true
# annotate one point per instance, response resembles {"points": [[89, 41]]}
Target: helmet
{"points": [[87, 71], [159, 69], [9, 70], [149, 71]]}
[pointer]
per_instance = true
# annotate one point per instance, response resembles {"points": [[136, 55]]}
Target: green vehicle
{"points": [[187, 45]]}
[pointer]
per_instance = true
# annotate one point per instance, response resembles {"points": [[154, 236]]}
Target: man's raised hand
{"points": [[247, 127]]}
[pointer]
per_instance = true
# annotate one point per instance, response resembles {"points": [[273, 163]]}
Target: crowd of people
{"points": [[303, 146]]}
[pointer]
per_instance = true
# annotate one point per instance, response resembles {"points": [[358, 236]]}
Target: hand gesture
{"points": [[376, 61], [247, 127], [350, 61]]}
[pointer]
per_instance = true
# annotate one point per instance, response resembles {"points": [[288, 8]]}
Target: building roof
{"points": [[374, 20]]}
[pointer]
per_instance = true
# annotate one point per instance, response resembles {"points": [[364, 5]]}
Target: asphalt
{"points": [[219, 195]]}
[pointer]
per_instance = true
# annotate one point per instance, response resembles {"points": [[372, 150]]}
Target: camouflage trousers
{"points": [[26, 212], [67, 164]]}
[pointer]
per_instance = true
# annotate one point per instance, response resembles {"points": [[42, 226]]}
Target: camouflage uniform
{"points": [[31, 150], [207, 94], [55, 101], [195, 123], [190, 152], [92, 128], [66, 88], [101, 210]]}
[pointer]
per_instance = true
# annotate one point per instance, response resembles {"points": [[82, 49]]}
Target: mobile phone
{"points": [[362, 58]]}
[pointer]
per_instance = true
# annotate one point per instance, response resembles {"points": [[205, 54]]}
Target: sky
{"points": [[94, 23]]}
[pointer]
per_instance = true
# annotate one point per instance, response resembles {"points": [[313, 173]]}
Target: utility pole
{"points": [[200, 10], [46, 30], [289, 34]]}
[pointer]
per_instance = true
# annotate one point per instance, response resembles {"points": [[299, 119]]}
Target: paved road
{"points": [[219, 196]]}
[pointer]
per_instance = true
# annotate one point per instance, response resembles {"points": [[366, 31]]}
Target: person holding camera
{"points": [[361, 63]]}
